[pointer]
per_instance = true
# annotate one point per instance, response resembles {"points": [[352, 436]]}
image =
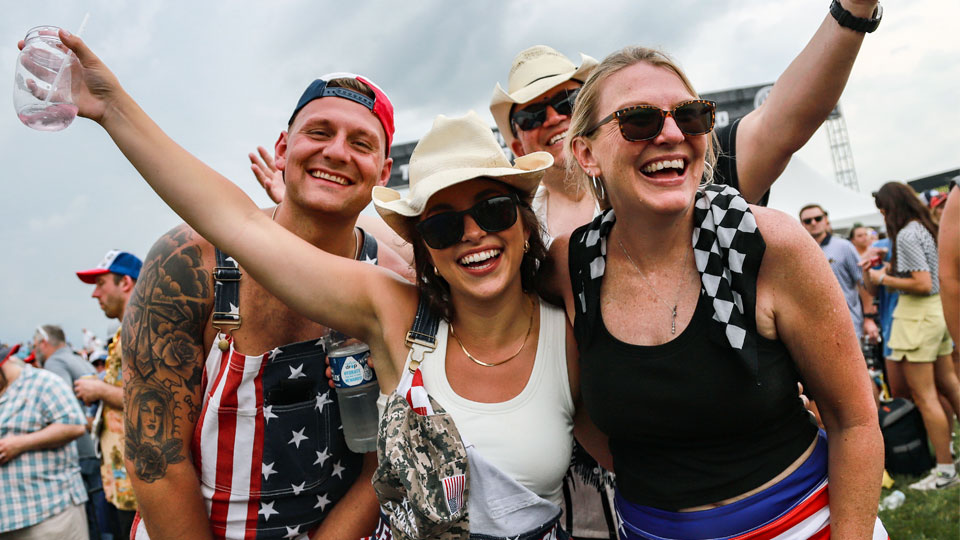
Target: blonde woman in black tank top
{"points": [[714, 334]]}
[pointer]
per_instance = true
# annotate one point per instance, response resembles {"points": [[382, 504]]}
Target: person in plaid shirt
{"points": [[43, 493]]}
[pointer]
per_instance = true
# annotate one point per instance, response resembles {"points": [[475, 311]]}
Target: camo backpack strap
{"points": [[422, 477]]}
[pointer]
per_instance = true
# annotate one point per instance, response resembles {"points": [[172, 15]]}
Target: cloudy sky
{"points": [[222, 77]]}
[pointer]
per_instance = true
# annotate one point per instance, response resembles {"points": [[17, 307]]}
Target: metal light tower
{"points": [[843, 168]]}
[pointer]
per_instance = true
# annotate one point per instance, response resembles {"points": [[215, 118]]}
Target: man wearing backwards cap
{"points": [[256, 449], [114, 278], [533, 113]]}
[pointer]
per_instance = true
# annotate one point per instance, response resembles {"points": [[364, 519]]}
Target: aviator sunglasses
{"points": [[645, 122], [445, 229], [535, 115]]}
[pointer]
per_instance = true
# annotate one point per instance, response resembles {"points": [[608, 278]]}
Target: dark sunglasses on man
{"points": [[533, 116], [445, 229], [645, 122], [812, 220]]}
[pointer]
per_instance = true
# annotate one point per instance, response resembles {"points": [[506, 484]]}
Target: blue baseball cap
{"points": [[115, 261]]}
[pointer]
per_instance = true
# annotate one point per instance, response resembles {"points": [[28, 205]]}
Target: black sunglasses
{"points": [[645, 122], [445, 229], [811, 220], [535, 115]]}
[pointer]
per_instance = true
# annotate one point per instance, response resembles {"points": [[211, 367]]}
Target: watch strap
{"points": [[857, 24]]}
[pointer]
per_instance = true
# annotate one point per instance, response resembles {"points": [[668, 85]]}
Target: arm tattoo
{"points": [[162, 342]]}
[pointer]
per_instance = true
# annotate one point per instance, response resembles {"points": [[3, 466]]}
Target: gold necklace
{"points": [[673, 310], [504, 361]]}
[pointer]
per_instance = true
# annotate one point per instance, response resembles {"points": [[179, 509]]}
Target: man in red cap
{"points": [[231, 424], [114, 277]]}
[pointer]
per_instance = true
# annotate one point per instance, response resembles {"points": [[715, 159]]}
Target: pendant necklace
{"points": [[673, 310]]}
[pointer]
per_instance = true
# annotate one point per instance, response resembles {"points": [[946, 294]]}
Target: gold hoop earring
{"points": [[526, 246], [435, 271]]}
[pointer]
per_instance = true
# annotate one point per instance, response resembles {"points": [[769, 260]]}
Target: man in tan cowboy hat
{"points": [[533, 114]]}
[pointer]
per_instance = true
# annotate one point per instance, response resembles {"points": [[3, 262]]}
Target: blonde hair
{"points": [[585, 113]]}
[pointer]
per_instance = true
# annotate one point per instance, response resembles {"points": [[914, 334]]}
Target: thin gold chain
{"points": [[504, 361]]}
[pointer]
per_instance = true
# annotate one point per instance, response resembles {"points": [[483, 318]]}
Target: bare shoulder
{"points": [[162, 349], [785, 238], [163, 324]]}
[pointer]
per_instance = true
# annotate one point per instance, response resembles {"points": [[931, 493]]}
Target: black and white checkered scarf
{"points": [[727, 248]]}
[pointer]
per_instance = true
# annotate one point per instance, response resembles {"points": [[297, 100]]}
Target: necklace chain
{"points": [[673, 310], [504, 361]]}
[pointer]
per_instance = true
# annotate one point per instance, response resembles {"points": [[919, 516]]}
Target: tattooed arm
{"points": [[162, 341]]}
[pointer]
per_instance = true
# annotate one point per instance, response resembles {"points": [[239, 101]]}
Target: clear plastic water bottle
{"points": [[893, 500], [357, 390], [41, 92]]}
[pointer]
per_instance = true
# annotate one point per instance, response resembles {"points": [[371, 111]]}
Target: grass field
{"points": [[924, 515]]}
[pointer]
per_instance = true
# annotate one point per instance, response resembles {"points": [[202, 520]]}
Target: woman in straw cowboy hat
{"points": [[739, 305], [502, 358]]}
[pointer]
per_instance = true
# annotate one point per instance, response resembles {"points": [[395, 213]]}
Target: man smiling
{"points": [[258, 455]]}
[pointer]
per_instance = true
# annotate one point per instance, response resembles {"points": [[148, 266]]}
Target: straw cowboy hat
{"points": [[453, 151], [534, 71]]}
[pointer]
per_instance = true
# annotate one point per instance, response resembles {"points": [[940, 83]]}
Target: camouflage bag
{"points": [[422, 478]]}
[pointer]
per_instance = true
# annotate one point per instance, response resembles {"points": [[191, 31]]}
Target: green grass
{"points": [[924, 515]]}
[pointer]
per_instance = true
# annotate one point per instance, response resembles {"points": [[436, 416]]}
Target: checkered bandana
{"points": [[728, 249]]}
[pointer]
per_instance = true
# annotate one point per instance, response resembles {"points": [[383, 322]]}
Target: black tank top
{"points": [[688, 424]]}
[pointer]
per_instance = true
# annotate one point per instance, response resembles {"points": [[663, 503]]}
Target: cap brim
{"points": [[502, 102], [7, 353], [90, 276]]}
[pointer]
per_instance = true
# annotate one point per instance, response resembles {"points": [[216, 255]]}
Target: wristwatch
{"points": [[857, 24]]}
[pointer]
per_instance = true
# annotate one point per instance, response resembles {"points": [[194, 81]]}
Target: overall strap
{"points": [[422, 338], [368, 248], [226, 294]]}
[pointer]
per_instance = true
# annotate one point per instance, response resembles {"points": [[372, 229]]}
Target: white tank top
{"points": [[530, 436]]}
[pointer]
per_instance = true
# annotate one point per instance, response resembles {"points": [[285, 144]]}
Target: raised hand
{"points": [[270, 178], [93, 86]]}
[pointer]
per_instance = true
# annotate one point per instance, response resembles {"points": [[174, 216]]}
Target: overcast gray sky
{"points": [[222, 77]]}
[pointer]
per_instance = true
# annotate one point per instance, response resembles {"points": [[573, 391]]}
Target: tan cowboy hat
{"points": [[453, 151], [534, 71]]}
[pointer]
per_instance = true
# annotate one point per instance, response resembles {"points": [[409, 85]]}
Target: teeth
{"points": [[481, 256], [660, 165], [557, 137], [329, 177]]}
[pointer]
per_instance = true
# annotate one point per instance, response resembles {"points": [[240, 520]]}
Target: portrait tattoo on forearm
{"points": [[162, 342]]}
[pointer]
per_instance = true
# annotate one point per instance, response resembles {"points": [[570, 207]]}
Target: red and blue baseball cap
{"points": [[380, 105], [7, 351], [115, 261]]}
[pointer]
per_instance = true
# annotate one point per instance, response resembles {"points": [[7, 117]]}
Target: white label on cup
{"points": [[352, 372]]}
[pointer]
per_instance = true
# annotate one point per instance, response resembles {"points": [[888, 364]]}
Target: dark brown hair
{"points": [[900, 205], [435, 289], [809, 206]]}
